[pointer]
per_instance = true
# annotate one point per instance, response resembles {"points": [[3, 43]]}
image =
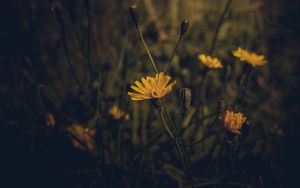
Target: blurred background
{"points": [[65, 64]]}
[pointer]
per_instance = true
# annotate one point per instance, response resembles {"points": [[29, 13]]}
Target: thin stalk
{"points": [[98, 118], [63, 35], [217, 117], [173, 54], [219, 23], [89, 7], [205, 135], [181, 122], [180, 149], [243, 87], [40, 98], [185, 161], [119, 144], [147, 50], [169, 117], [203, 84], [163, 120]]}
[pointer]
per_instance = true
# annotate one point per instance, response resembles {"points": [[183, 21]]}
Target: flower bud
{"points": [[186, 97], [184, 27], [134, 14]]}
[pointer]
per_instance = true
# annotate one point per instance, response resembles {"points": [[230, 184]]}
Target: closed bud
{"points": [[184, 27], [186, 97], [134, 14]]}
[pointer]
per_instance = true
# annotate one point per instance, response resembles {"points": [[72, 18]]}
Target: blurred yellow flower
{"points": [[50, 120], [81, 135], [152, 87], [210, 62], [233, 122], [117, 113], [249, 57]]}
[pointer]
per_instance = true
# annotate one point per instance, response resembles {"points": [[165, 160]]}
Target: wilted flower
{"points": [[117, 113], [233, 122], [210, 62], [152, 87], [81, 135], [50, 120], [249, 57]]}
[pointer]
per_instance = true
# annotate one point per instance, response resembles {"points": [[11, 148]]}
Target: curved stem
{"points": [[169, 117], [64, 40], [166, 126]]}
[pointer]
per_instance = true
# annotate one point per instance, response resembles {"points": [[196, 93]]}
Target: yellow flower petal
{"points": [[249, 57], [152, 87], [210, 62]]}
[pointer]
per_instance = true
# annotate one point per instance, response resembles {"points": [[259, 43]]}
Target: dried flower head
{"points": [[117, 113], [152, 87], [249, 57], [210, 62], [233, 122]]}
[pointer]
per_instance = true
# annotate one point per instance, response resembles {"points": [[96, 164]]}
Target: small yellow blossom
{"points": [[81, 135], [117, 113], [152, 87], [233, 122], [50, 120], [249, 57], [210, 62]]}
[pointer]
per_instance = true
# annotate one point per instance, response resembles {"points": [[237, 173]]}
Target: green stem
{"points": [[163, 120], [180, 149], [173, 54], [169, 117], [147, 50]]}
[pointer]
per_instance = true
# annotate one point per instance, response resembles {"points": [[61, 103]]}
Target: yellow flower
{"points": [[117, 113], [81, 135], [233, 122], [152, 87], [249, 57], [210, 62], [50, 120]]}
